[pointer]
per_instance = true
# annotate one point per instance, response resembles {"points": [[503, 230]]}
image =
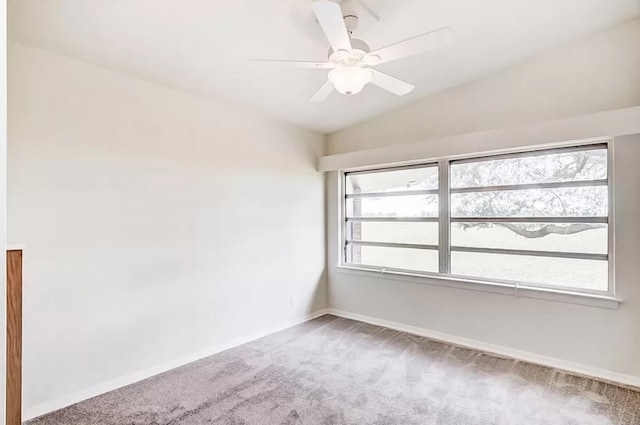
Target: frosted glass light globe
{"points": [[350, 80]]}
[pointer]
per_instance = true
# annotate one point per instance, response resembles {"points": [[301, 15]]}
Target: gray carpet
{"points": [[338, 371]]}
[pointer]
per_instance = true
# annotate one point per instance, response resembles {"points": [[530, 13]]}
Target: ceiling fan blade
{"points": [[433, 40], [295, 64], [390, 83], [329, 15], [322, 93]]}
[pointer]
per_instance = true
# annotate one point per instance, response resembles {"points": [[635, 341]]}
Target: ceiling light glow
{"points": [[350, 80]]}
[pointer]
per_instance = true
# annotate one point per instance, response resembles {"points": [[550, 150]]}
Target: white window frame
{"points": [[346, 220], [444, 276]]}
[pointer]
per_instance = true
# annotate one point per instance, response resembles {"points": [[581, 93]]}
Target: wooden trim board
{"points": [[14, 338]]}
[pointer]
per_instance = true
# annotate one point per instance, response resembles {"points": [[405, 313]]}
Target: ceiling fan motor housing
{"points": [[359, 50]]}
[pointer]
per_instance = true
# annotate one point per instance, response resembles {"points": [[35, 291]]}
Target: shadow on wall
{"points": [[320, 299]]}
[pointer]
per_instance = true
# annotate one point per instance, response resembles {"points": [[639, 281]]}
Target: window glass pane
{"points": [[554, 167], [425, 178], [588, 201], [398, 258], [416, 233], [393, 206], [562, 237], [572, 273]]}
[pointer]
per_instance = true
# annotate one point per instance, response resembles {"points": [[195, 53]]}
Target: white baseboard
{"points": [[580, 369], [576, 368], [67, 400]]}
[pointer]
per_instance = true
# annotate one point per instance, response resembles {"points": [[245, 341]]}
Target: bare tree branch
{"points": [[550, 229], [584, 201]]}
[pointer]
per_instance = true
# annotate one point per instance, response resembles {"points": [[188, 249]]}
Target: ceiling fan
{"points": [[350, 59]]}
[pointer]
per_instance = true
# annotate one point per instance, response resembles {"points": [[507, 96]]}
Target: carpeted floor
{"points": [[339, 371]]}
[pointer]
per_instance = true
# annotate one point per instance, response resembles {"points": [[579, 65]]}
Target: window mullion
{"points": [[444, 213]]}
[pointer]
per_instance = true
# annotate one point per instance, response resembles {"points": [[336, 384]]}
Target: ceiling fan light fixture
{"points": [[350, 80], [351, 59]]}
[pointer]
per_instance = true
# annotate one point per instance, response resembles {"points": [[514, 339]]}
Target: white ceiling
{"points": [[203, 46]]}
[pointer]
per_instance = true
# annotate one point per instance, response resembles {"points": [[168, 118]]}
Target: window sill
{"points": [[592, 300]]}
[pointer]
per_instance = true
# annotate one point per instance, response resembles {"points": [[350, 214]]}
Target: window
{"points": [[538, 218], [392, 218]]}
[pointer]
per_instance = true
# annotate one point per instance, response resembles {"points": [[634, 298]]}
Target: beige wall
{"points": [[596, 73], [3, 201], [155, 224]]}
